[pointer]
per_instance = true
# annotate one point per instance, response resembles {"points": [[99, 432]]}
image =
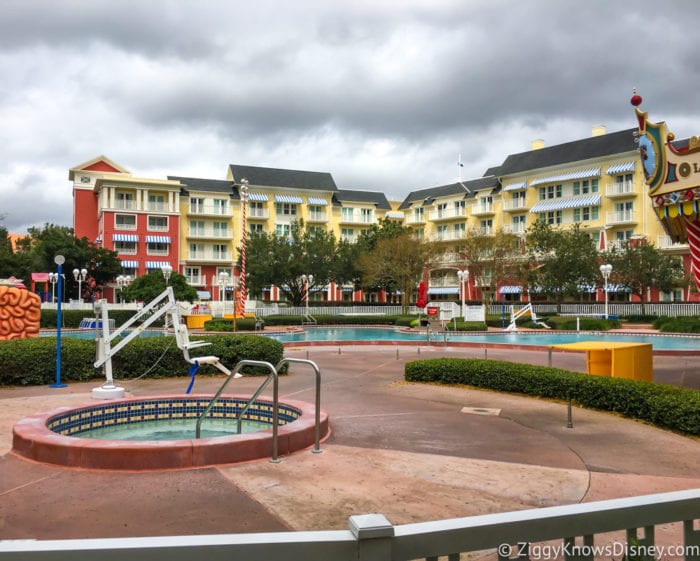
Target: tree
{"points": [[562, 262], [102, 264], [492, 258], [281, 261], [396, 261], [639, 266], [147, 287]]}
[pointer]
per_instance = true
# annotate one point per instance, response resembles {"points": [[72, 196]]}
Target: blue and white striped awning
{"points": [[443, 290], [616, 288], [156, 264], [98, 239], [316, 201], [292, 199], [125, 237], [510, 289], [158, 239], [568, 202], [130, 264], [258, 197], [621, 168], [393, 214], [580, 174], [516, 186]]}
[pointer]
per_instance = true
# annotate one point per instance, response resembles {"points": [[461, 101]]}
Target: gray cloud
{"points": [[383, 94]]}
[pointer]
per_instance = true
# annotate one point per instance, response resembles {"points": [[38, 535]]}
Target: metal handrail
{"points": [[273, 374], [317, 434]]}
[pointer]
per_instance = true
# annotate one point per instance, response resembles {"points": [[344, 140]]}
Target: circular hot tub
{"points": [[63, 436]]}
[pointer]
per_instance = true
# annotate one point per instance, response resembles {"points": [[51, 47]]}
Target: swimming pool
{"points": [[527, 338]]}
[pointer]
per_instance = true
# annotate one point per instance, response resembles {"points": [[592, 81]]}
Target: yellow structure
{"points": [[618, 360]]}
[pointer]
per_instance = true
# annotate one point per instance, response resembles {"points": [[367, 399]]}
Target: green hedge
{"points": [[584, 323], [466, 326], [72, 318], [331, 320], [219, 324], [678, 325], [33, 361], [665, 406]]}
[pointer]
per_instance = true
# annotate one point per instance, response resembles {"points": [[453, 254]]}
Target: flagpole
{"points": [[459, 168]]}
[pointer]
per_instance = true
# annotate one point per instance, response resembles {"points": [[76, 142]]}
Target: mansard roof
{"points": [[284, 178]]}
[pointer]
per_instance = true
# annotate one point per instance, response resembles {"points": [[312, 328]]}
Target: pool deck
{"points": [[409, 451]]}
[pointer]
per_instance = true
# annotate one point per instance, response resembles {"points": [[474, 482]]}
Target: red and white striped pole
{"points": [[693, 231], [242, 292]]}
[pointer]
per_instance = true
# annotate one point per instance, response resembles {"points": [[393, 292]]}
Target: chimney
{"points": [[598, 130], [537, 144]]}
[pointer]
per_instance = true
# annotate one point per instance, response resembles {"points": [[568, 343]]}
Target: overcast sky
{"points": [[383, 94]]}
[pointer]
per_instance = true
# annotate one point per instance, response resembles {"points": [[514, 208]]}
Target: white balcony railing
{"points": [[514, 228], [196, 280], [514, 204], [156, 228], [626, 188], [415, 219], [160, 252], [482, 208], [258, 214], [318, 217], [157, 206], [620, 217], [124, 205], [209, 256], [448, 236], [666, 242], [447, 214], [210, 233], [210, 210], [356, 218]]}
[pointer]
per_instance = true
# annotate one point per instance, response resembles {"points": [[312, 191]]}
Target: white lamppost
{"points": [[53, 279], [463, 276], [605, 270], [167, 271], [223, 282], [122, 281], [307, 280], [80, 275]]}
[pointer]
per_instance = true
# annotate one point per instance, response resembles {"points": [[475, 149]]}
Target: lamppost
{"points": [[80, 275], [223, 281], [463, 276], [122, 281], [59, 260], [53, 279], [605, 270], [242, 292], [167, 271], [307, 280]]}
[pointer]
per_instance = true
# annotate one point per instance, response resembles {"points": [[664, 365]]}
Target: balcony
{"points": [[624, 189], [482, 208], [258, 214], [481, 231], [358, 219], [450, 236], [124, 205], [196, 280], [157, 206], [415, 219], [514, 205], [210, 210], [210, 233], [317, 217], [620, 217], [446, 214], [666, 242], [209, 256]]}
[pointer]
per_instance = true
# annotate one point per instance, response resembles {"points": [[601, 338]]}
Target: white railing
{"points": [[415, 219], [668, 309], [258, 213], [210, 209], [318, 217], [210, 233], [620, 189], [208, 256], [447, 213], [620, 217], [482, 208], [568, 531], [666, 242], [514, 204]]}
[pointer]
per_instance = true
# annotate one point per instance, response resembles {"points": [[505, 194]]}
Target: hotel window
{"points": [[585, 214], [550, 192], [442, 210], [315, 212], [196, 227], [125, 248], [125, 222], [125, 201], [459, 208], [256, 209], [486, 227], [196, 251], [288, 209], [585, 187], [157, 248], [193, 275], [220, 251], [347, 213], [220, 206], [552, 217], [158, 223], [347, 234], [156, 202], [282, 230], [419, 214], [459, 230], [255, 228], [196, 205], [519, 223], [419, 233], [221, 229], [366, 215], [442, 232]]}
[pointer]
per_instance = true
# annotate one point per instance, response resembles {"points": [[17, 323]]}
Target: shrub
{"points": [[33, 361], [680, 325], [225, 324], [665, 406], [466, 326], [71, 318], [570, 323], [331, 320], [406, 321]]}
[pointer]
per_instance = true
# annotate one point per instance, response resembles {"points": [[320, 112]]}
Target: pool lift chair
{"points": [[165, 306], [514, 315]]}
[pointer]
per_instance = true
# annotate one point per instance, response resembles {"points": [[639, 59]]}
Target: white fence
{"points": [[562, 532]]}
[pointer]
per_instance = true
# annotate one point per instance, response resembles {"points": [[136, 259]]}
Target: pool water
{"points": [[172, 429], [537, 338]]}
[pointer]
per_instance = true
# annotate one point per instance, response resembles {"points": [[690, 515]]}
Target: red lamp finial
{"points": [[636, 99]]}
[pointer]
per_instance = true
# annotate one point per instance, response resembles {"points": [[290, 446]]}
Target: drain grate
{"points": [[481, 411]]}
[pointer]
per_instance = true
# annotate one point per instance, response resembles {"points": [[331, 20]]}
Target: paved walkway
{"points": [[412, 452]]}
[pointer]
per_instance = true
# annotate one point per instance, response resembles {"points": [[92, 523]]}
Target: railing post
{"points": [[373, 533]]}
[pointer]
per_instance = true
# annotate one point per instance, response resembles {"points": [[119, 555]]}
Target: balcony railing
{"points": [[415, 219], [357, 219], [210, 210], [620, 217], [449, 236], [157, 206], [196, 280], [209, 256], [124, 205], [514, 204], [514, 228], [210, 233], [447, 214], [666, 242], [482, 208], [258, 214], [624, 189], [318, 217]]}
